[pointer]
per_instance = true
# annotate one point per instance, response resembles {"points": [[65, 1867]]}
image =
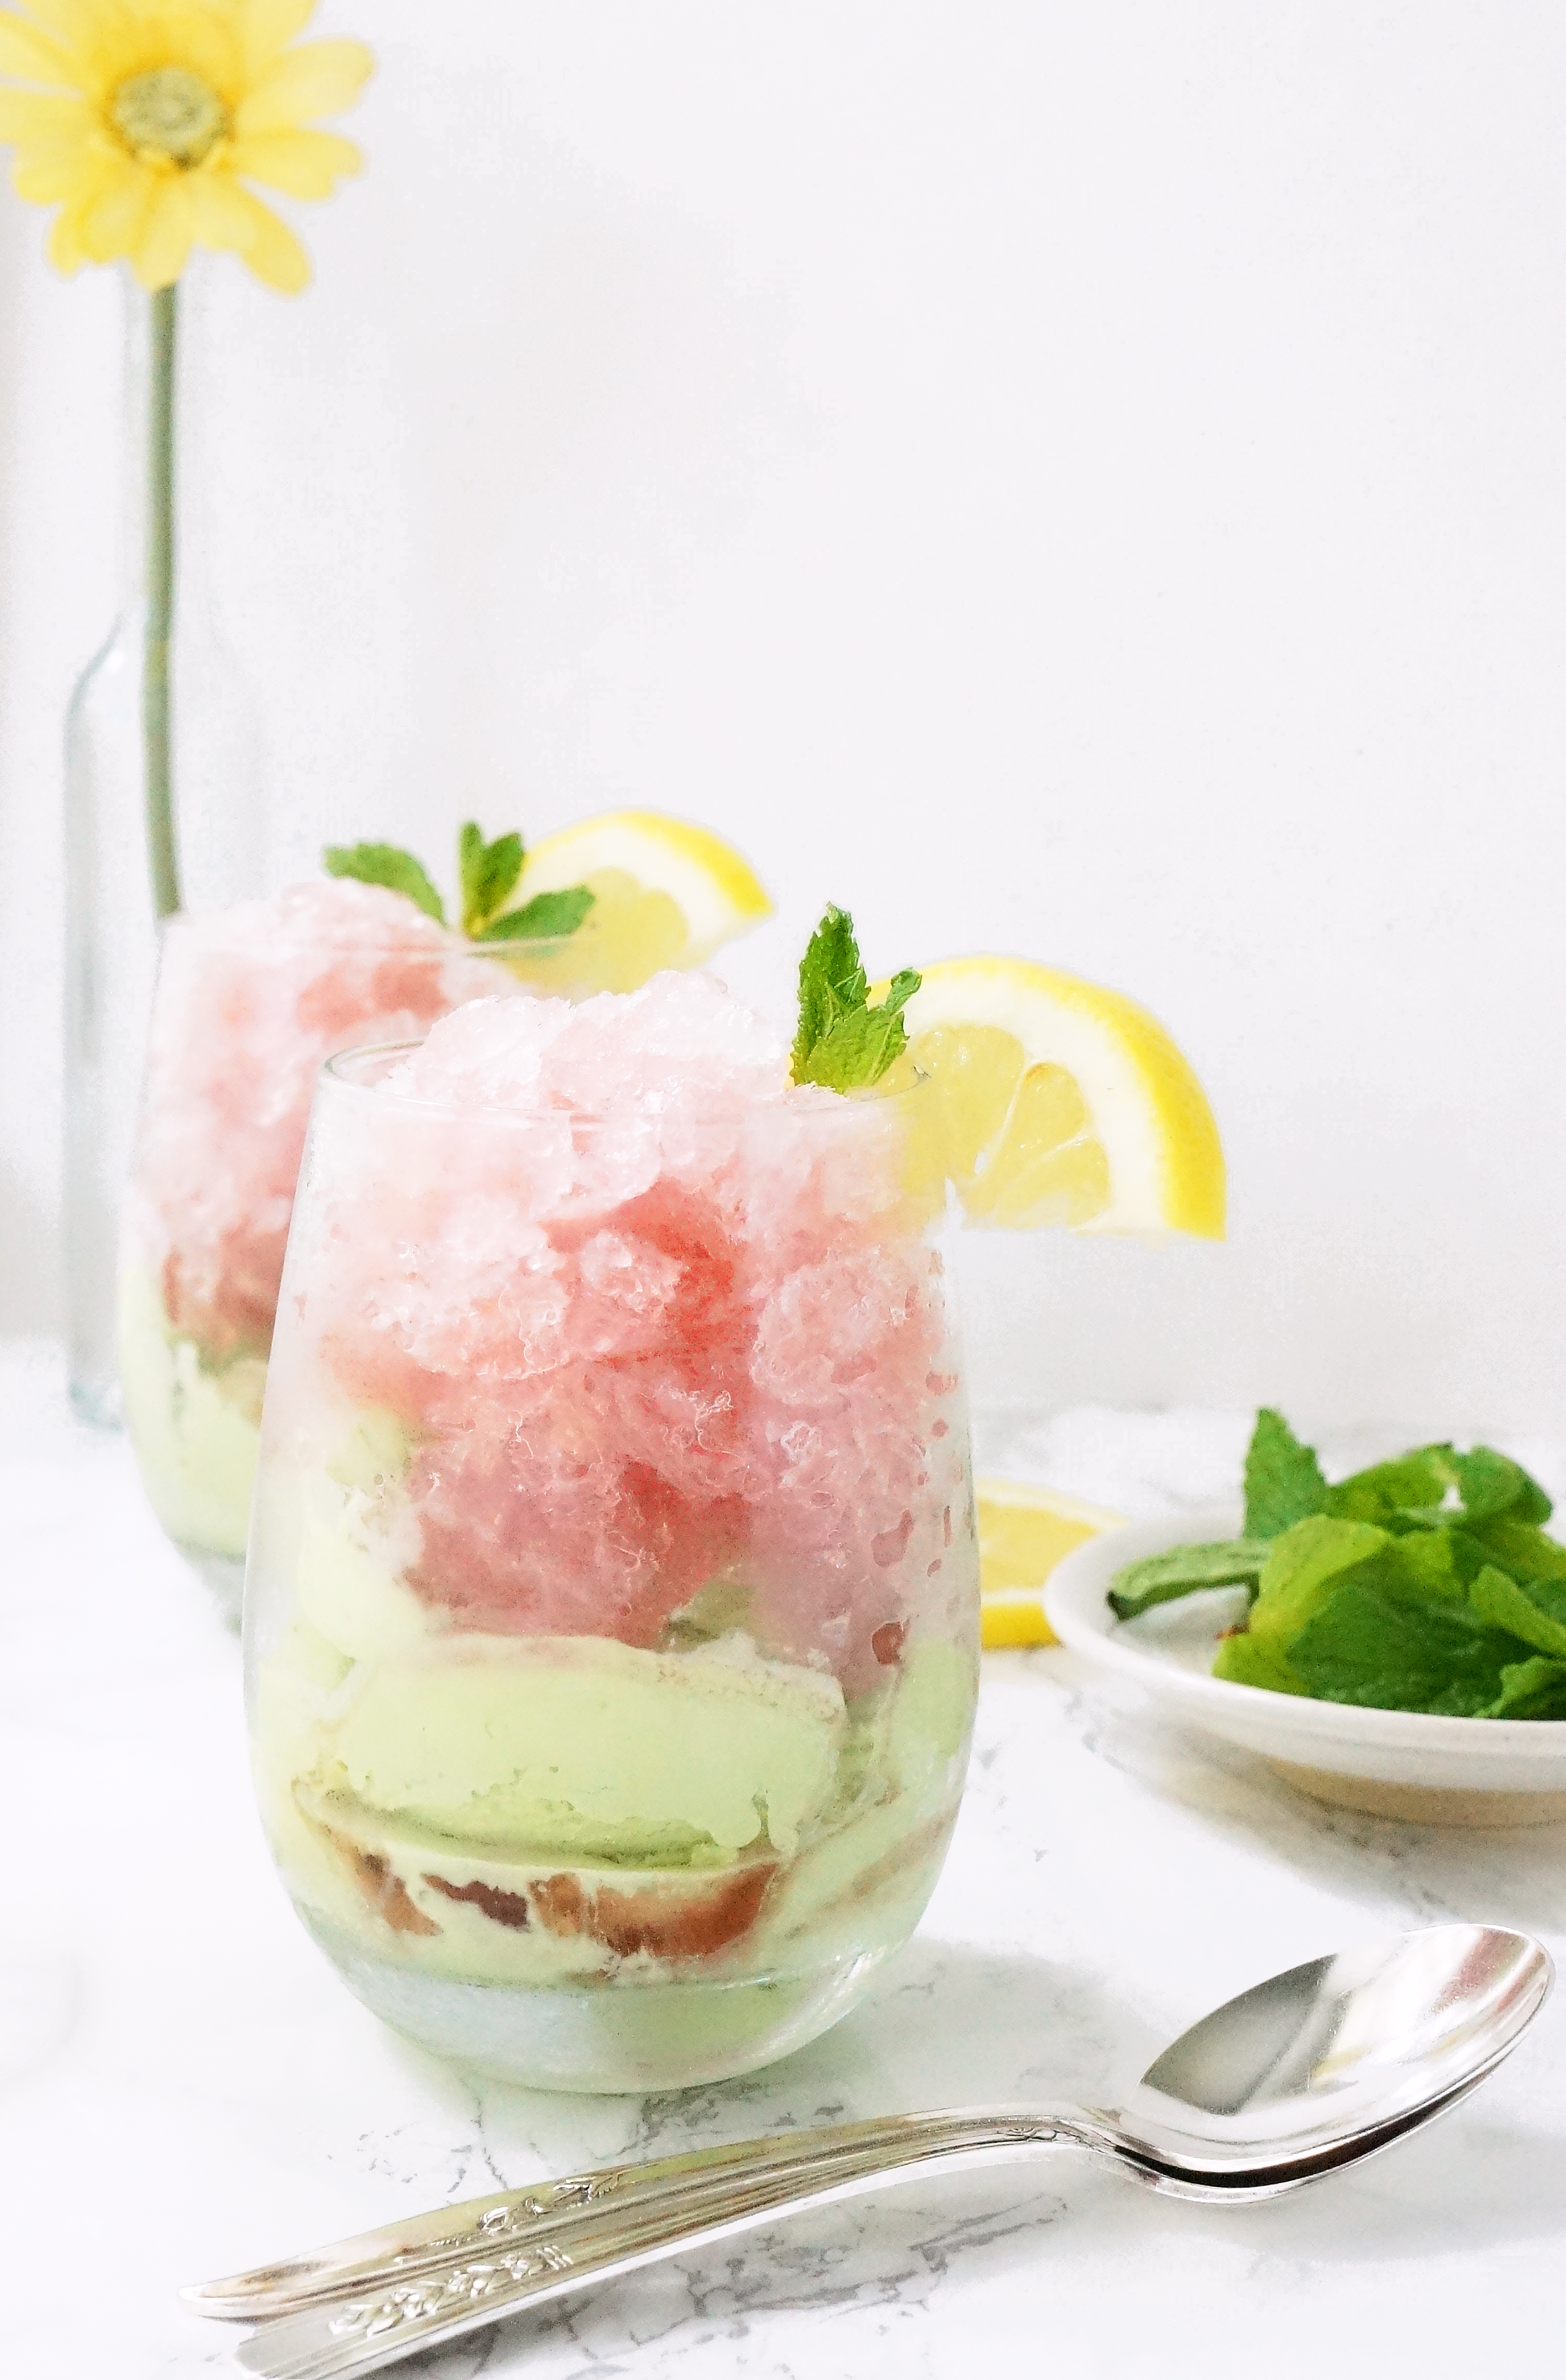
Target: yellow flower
{"points": [[147, 117]]}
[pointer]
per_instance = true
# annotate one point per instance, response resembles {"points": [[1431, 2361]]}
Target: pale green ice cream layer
{"points": [[585, 1746], [196, 1431]]}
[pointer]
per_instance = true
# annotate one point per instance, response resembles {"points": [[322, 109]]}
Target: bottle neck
{"points": [[165, 339], [199, 726]]}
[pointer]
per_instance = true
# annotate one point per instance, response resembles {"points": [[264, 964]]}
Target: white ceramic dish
{"points": [[1469, 1772]]}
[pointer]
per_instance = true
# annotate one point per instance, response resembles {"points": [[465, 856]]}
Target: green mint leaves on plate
{"points": [[487, 873], [842, 1042], [1423, 1584]]}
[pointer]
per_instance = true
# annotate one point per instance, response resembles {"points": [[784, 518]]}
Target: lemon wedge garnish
{"points": [[1058, 1102], [1023, 1531], [666, 894]]}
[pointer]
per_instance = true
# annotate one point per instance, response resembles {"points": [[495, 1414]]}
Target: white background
{"points": [[1085, 482]]}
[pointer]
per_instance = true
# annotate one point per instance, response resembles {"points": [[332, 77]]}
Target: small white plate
{"points": [[1463, 1772]]}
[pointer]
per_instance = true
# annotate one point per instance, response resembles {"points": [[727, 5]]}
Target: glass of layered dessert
{"points": [[611, 1620], [249, 1001]]}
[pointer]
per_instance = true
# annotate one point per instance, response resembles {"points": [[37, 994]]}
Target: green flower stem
{"points": [[161, 849]]}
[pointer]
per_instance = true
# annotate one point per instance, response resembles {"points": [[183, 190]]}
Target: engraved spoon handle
{"points": [[339, 2342], [507, 2220]]}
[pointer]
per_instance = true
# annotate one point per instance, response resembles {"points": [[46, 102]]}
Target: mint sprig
{"points": [[487, 874], [842, 1042]]}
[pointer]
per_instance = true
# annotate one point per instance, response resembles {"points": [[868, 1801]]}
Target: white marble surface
{"points": [[186, 2088]]}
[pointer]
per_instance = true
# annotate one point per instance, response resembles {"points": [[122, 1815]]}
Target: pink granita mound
{"points": [[250, 1001], [681, 1338], [599, 1497]]}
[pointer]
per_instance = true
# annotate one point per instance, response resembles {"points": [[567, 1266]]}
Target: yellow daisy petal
{"points": [[75, 25], [306, 165], [195, 38], [219, 212], [315, 80], [227, 215], [273, 254], [268, 26], [51, 171], [164, 249], [80, 24], [30, 116], [113, 225], [26, 52], [66, 253]]}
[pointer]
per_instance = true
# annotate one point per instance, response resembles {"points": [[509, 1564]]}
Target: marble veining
{"points": [[166, 2031]]}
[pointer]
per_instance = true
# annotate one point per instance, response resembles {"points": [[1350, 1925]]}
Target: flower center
{"points": [[169, 111]]}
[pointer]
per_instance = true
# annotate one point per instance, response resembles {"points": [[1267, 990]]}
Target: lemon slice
{"points": [[1023, 1531], [1061, 1104], [666, 894]]}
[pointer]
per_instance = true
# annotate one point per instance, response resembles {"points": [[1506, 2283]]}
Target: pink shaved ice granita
{"points": [[250, 1001], [612, 1610]]}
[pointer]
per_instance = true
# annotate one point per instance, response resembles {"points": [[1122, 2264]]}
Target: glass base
{"points": [[605, 2037], [225, 1574]]}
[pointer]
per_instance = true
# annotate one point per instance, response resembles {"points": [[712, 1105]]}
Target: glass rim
{"points": [[334, 1072], [453, 946]]}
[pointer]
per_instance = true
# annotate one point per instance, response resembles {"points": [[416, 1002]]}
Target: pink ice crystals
{"points": [[654, 1318]]}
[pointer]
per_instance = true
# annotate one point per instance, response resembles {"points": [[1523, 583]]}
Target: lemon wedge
{"points": [[666, 894], [1023, 1531], [1060, 1103]]}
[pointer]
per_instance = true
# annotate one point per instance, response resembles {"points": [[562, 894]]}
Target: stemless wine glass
{"points": [[612, 1617], [250, 1000]]}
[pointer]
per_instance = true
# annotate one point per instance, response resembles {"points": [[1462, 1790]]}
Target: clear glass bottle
{"points": [[112, 906]]}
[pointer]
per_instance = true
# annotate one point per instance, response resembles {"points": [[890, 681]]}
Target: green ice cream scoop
{"points": [[586, 1747]]}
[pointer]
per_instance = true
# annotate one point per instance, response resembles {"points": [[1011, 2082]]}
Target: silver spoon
{"points": [[1302, 2076]]}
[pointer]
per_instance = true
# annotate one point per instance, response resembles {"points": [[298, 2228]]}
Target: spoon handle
{"points": [[715, 2193], [483, 2228]]}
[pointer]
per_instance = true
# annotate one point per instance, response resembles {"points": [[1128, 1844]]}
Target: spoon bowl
{"points": [[1338, 2048], [1300, 2077]]}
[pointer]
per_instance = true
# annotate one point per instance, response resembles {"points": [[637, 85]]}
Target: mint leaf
{"points": [[1159, 1578], [1429, 1559], [1536, 1613], [857, 1050], [832, 984], [1412, 1489], [547, 917], [1523, 1552], [489, 873], [383, 863], [1304, 1570], [841, 1041], [1246, 1660], [1376, 1644], [1491, 1485], [1535, 1689], [1284, 1480]]}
